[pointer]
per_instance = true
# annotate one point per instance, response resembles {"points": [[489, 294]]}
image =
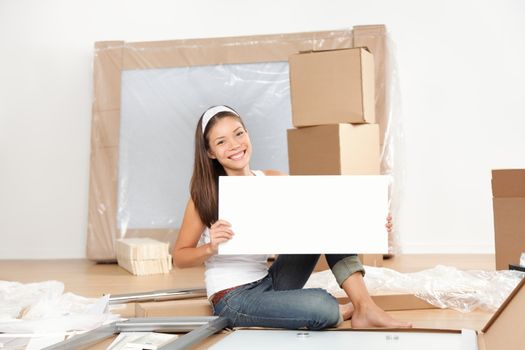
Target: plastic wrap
{"points": [[149, 96], [44, 308], [441, 286], [156, 147]]}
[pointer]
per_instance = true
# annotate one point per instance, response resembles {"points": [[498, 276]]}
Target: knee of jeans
{"points": [[324, 312]]}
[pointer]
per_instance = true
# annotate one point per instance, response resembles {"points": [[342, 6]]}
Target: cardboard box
{"points": [[186, 307], [338, 149], [508, 188], [331, 87], [508, 183], [375, 260]]}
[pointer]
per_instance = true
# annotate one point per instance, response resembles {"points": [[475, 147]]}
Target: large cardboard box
{"points": [[508, 189], [330, 87], [338, 149], [375, 260]]}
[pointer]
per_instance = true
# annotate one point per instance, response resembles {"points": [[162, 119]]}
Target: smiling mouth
{"points": [[237, 156]]}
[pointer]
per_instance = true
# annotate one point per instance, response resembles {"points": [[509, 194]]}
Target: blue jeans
{"points": [[278, 300]]}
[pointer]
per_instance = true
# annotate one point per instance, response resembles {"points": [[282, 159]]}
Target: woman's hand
{"points": [[388, 224], [220, 232]]}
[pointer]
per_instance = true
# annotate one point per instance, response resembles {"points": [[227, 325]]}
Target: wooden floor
{"points": [[89, 279]]}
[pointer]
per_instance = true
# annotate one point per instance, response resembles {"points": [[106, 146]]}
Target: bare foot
{"points": [[346, 310], [370, 315]]}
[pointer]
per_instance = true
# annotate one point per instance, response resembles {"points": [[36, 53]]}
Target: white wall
{"points": [[460, 65]]}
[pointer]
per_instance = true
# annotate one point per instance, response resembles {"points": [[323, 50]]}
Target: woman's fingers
{"points": [[220, 223], [220, 232]]}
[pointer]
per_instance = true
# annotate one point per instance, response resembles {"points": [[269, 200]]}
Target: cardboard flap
{"points": [[508, 183], [506, 329]]}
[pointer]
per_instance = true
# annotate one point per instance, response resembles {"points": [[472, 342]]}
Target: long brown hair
{"points": [[204, 186]]}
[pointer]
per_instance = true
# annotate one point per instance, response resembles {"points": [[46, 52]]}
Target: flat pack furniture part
{"points": [[197, 328], [112, 58], [157, 295], [505, 330]]}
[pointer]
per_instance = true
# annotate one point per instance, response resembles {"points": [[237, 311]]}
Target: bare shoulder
{"points": [[271, 172]]}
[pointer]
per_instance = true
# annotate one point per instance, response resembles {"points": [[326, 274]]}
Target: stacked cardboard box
{"points": [[143, 256], [508, 190], [333, 110]]}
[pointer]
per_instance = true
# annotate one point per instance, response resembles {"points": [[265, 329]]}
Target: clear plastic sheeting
{"points": [[441, 286], [159, 113], [44, 308]]}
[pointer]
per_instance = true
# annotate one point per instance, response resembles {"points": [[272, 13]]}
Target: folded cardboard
{"points": [[331, 87], [508, 183], [338, 149], [508, 188]]}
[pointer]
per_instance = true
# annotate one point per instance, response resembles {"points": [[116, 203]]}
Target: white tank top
{"points": [[227, 271]]}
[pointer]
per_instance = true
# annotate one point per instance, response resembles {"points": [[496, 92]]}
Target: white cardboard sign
{"points": [[305, 214]]}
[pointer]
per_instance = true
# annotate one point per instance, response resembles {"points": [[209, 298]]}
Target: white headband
{"points": [[212, 112]]}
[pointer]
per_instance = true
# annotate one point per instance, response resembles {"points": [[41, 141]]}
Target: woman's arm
{"points": [[185, 251]]}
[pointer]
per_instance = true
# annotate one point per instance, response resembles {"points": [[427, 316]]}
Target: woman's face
{"points": [[230, 144]]}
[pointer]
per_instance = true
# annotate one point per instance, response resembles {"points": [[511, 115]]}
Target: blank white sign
{"points": [[305, 214]]}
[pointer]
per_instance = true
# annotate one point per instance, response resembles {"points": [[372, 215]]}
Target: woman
{"points": [[241, 287]]}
